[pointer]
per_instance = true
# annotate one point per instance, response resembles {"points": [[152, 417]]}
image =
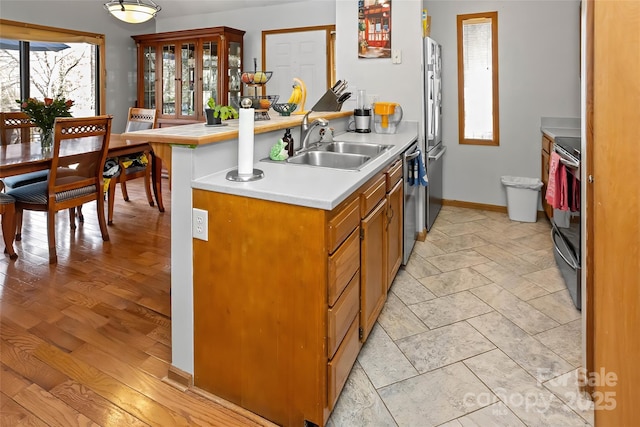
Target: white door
{"points": [[298, 54]]}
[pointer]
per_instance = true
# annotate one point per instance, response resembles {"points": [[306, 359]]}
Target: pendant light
{"points": [[132, 11]]}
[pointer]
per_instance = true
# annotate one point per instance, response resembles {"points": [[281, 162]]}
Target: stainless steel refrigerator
{"points": [[432, 131]]}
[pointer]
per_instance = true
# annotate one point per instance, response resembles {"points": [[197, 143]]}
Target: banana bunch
{"points": [[296, 95]]}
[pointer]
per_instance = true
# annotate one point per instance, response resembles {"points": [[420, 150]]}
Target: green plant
{"points": [[44, 113], [223, 112]]}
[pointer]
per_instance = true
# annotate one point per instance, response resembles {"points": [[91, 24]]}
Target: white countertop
{"points": [[554, 133], [555, 127], [315, 187]]}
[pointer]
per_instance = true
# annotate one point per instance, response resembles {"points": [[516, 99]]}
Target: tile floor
{"points": [[478, 330]]}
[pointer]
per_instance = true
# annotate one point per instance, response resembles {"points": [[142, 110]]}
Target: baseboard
{"points": [[483, 207], [183, 381], [179, 378]]}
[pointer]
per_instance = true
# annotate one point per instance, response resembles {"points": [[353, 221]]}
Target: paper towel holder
{"points": [[235, 176]]}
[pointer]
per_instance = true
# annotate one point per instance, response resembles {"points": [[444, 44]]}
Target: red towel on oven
{"points": [[558, 188]]}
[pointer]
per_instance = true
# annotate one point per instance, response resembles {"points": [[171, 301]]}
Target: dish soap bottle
{"points": [[288, 140]]}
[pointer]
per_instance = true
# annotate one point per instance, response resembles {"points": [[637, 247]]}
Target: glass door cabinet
{"points": [[179, 71]]}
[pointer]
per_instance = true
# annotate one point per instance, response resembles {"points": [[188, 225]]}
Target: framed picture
{"points": [[374, 29]]}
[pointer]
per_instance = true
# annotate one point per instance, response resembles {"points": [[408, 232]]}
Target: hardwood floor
{"points": [[88, 341]]}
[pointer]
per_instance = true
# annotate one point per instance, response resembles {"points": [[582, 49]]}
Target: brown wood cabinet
{"points": [[178, 71], [395, 215], [282, 294], [547, 147]]}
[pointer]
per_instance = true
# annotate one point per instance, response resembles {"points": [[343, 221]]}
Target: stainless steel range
{"points": [[566, 228]]}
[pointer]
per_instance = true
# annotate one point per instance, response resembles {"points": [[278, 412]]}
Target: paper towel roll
{"points": [[245, 142]]}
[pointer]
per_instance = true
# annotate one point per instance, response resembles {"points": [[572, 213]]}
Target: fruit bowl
{"points": [[263, 102], [285, 108], [256, 77]]}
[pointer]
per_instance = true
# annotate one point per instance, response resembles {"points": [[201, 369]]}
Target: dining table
{"points": [[16, 159]]}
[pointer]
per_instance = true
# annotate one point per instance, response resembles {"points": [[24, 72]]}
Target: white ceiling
{"points": [[173, 8]]}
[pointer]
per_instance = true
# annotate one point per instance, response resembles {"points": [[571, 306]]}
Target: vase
{"points": [[46, 138], [211, 121]]}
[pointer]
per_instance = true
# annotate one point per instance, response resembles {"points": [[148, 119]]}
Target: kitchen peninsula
{"points": [[267, 348]]}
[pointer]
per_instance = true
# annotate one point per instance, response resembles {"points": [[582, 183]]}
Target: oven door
{"points": [[568, 264]]}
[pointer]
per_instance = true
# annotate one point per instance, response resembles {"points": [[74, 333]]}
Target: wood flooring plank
{"points": [[124, 318], [199, 412], [130, 400], [50, 409], [108, 343], [56, 336], [30, 367], [86, 316], [94, 406], [11, 382], [13, 414]]}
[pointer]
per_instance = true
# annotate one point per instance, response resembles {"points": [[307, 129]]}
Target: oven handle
{"points": [[555, 233], [412, 156]]}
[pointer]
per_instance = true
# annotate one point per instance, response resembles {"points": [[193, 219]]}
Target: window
{"points": [[478, 118], [39, 62]]}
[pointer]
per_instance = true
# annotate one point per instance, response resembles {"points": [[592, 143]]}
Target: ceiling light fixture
{"points": [[132, 11]]}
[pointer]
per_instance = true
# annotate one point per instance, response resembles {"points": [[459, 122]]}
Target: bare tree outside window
{"points": [[68, 70]]}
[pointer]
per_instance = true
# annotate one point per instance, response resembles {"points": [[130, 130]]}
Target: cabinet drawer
{"points": [[338, 369], [343, 264], [341, 315], [342, 224], [372, 194], [394, 174], [547, 144]]}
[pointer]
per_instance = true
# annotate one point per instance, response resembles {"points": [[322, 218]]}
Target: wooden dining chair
{"points": [[139, 119], [79, 151], [17, 128], [8, 212], [136, 165]]}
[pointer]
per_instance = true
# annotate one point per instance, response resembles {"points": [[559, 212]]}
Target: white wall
{"points": [[255, 20], [539, 71], [91, 17]]}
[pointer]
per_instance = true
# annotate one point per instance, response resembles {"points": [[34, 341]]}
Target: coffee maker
{"points": [[362, 113]]}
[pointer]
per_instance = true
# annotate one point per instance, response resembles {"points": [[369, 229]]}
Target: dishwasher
{"points": [[410, 175]]}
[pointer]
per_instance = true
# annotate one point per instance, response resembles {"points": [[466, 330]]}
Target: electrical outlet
{"points": [[200, 224], [396, 56]]}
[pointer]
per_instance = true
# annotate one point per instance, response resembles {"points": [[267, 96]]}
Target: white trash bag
{"points": [[522, 182]]}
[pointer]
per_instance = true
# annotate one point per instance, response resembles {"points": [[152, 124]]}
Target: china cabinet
{"points": [[178, 71]]}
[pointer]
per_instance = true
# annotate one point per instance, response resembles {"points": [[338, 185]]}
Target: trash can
{"points": [[522, 197]]}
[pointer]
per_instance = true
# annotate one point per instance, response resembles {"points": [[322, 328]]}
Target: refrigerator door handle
{"points": [[437, 156]]}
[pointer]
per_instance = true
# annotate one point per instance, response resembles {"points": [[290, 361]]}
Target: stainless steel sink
{"points": [[329, 159], [366, 149]]}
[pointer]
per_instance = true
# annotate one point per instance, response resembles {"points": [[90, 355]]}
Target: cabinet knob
{"points": [[590, 179]]}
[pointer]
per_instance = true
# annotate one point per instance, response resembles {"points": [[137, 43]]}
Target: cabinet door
{"points": [[394, 231], [545, 181], [186, 81], [210, 71], [234, 71], [169, 79], [148, 87], [373, 267]]}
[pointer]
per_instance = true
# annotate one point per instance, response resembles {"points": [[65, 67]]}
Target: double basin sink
{"points": [[339, 155]]}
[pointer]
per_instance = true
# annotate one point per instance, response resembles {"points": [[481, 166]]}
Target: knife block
{"points": [[328, 102]]}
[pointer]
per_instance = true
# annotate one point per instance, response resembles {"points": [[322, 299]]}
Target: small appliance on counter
{"points": [[386, 117], [362, 113]]}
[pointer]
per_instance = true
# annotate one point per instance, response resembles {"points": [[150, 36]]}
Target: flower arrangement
{"points": [[44, 113]]}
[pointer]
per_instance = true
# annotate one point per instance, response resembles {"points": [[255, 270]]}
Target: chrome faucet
{"points": [[306, 128]]}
